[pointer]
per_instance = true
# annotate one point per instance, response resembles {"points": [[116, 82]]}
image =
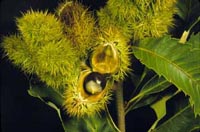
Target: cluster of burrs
{"points": [[78, 55], [104, 54]]}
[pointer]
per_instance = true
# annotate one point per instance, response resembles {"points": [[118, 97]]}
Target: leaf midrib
{"points": [[152, 87], [178, 113], [167, 60]]}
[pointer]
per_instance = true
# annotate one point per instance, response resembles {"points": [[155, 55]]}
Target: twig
{"points": [[120, 106]]}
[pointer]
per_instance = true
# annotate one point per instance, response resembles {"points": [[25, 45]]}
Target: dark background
{"points": [[21, 112]]}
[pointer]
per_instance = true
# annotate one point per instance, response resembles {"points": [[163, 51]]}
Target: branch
{"points": [[120, 106]]}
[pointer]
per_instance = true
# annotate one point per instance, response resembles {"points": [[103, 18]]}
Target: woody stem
{"points": [[120, 106]]}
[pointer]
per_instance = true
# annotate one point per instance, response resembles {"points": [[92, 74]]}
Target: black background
{"points": [[21, 112]]}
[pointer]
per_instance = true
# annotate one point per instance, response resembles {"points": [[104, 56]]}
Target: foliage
{"points": [[180, 63], [78, 59], [183, 118]]}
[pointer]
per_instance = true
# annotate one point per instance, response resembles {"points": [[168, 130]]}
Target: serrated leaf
{"points": [[160, 109], [142, 102], [155, 84], [179, 64], [182, 121], [195, 41]]}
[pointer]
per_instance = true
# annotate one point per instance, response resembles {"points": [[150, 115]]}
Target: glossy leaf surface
{"points": [[178, 63]]}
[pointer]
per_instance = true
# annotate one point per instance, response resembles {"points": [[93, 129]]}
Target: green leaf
{"points": [[46, 94], [54, 99], [194, 41], [49, 96], [188, 9], [155, 84], [178, 63], [58, 112], [95, 123], [177, 119], [160, 109], [182, 121], [148, 100]]}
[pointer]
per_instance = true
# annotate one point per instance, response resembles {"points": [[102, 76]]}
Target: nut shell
{"points": [[105, 59], [80, 102]]}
